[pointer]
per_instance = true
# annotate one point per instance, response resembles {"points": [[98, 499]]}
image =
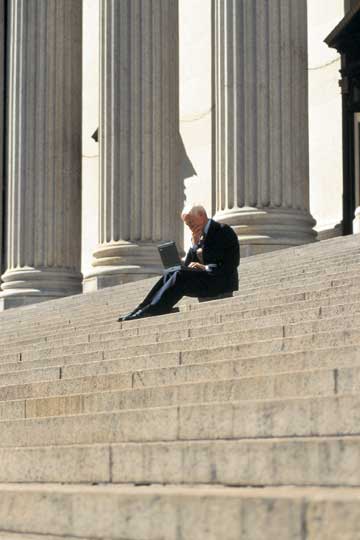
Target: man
{"points": [[210, 267]]}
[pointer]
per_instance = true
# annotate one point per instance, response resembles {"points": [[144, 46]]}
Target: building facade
{"points": [[231, 103]]}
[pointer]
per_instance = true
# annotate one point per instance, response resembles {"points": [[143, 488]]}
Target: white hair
{"points": [[193, 209]]}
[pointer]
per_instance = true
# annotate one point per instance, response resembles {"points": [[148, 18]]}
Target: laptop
{"points": [[169, 255]]}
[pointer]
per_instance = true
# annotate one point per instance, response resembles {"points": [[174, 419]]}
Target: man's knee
{"points": [[178, 276], [176, 272], [170, 271]]}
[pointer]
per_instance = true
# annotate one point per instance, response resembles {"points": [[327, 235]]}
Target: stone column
{"points": [[141, 194], [43, 151], [2, 109], [261, 122]]}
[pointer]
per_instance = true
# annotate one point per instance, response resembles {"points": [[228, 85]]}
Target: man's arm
{"points": [[226, 253], [190, 257]]}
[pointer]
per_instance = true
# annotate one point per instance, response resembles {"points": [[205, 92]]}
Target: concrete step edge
{"points": [[285, 384], [223, 462], [290, 417], [135, 377], [278, 344], [111, 317], [174, 512], [98, 292], [173, 322], [124, 335]]}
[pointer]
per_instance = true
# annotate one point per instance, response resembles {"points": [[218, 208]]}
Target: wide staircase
{"points": [[234, 419]]}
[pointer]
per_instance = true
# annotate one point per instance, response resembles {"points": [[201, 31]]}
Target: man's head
{"points": [[194, 216]]}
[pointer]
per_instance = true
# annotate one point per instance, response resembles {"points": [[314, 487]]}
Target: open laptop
{"points": [[169, 254]]}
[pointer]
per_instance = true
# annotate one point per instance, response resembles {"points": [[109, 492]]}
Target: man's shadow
{"points": [[186, 168], [184, 164]]}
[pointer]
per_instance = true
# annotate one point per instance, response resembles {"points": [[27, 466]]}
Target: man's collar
{"points": [[206, 229]]}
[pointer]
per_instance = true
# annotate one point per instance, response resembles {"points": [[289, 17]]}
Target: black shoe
{"points": [[132, 312], [139, 314]]}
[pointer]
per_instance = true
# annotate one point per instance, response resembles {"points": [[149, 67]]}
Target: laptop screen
{"points": [[169, 254]]}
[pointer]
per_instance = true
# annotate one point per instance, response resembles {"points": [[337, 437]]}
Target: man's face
{"points": [[194, 221]]}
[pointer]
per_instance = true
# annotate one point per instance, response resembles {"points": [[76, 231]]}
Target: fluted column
{"points": [[261, 122], [141, 194], [2, 130], [43, 151]]}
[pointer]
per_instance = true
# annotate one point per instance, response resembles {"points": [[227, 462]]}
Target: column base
{"points": [[9, 302], [264, 230], [25, 286], [109, 277], [122, 262], [124, 254]]}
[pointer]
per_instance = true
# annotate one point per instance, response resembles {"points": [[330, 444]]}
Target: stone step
{"points": [[307, 284], [54, 326], [254, 342], [270, 305], [24, 536], [320, 382], [281, 313], [212, 348], [322, 298], [320, 259], [140, 372], [276, 282], [288, 417], [259, 390], [335, 255], [311, 461], [148, 344], [101, 293], [271, 326], [177, 373], [336, 268], [289, 294], [174, 512], [104, 333], [304, 285], [303, 266], [309, 251], [43, 338], [115, 339], [26, 389], [332, 244], [60, 303]]}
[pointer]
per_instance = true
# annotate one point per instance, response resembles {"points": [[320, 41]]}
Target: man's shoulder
{"points": [[222, 227]]}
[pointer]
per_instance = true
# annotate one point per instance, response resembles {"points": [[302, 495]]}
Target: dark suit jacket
{"points": [[221, 254]]}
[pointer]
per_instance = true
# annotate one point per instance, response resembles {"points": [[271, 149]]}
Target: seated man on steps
{"points": [[210, 267]]}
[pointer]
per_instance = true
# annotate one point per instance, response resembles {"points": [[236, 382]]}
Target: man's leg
{"points": [[158, 286], [182, 282]]}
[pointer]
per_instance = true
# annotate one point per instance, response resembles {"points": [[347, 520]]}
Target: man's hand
{"points": [[197, 232], [197, 266]]}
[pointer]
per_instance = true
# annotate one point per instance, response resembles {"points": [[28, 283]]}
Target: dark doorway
{"points": [[345, 38], [349, 4]]}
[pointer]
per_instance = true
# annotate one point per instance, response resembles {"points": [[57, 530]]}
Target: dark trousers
{"points": [[177, 282]]}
